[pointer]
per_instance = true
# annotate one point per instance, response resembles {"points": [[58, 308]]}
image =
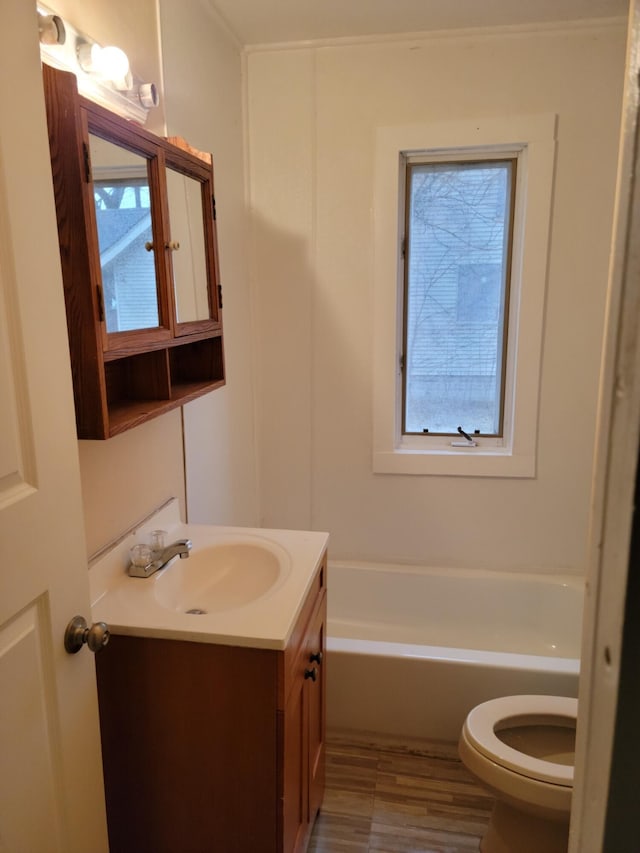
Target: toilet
{"points": [[522, 748]]}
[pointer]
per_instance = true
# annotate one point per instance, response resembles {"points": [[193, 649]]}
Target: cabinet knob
{"points": [[315, 658], [174, 245], [311, 673]]}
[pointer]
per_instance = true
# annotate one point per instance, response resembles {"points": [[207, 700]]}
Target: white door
{"points": [[51, 792], [615, 474]]}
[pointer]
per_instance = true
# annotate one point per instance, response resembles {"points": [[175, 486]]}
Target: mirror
{"points": [[123, 215], [190, 280]]}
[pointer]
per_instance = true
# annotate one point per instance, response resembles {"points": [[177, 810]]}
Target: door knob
{"points": [[311, 673], [316, 657], [78, 633]]}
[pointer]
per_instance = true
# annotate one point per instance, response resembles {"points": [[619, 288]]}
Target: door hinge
{"points": [[100, 303], [87, 162], [402, 363], [213, 207], [403, 247], [220, 297]]}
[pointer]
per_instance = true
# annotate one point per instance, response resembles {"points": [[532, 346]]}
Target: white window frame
{"points": [[532, 138]]}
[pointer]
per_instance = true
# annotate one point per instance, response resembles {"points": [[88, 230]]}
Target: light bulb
{"points": [[113, 63], [110, 63]]}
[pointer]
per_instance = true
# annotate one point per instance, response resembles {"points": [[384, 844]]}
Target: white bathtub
{"points": [[411, 650]]}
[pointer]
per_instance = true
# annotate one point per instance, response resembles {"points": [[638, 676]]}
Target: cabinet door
{"points": [[295, 774], [316, 698], [304, 726], [194, 272], [125, 232]]}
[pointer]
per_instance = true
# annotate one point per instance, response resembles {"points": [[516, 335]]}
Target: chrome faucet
{"points": [[160, 558]]}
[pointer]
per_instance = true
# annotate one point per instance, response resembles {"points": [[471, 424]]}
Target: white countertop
{"points": [[129, 605]]}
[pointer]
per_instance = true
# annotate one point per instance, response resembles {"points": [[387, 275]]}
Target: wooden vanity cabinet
{"points": [[138, 347], [215, 748], [302, 724]]}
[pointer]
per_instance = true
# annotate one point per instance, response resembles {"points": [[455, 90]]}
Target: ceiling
{"points": [[275, 21]]}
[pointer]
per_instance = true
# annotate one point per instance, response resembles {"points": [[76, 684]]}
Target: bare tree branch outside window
{"points": [[458, 244]]}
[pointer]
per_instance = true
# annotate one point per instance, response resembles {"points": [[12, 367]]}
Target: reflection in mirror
{"points": [[189, 261], [123, 215]]}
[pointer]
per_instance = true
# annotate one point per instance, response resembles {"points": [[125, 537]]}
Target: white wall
{"points": [[126, 477], [203, 102], [313, 112]]}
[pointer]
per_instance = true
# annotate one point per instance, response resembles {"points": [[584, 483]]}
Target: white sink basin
{"points": [[249, 581], [221, 577]]}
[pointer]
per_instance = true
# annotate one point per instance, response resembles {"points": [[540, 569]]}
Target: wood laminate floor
{"points": [[394, 798]]}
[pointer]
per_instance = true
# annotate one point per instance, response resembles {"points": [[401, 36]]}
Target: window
{"points": [[457, 253], [462, 218]]}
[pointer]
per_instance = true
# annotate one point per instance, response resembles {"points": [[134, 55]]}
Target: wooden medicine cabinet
{"points": [[137, 234]]}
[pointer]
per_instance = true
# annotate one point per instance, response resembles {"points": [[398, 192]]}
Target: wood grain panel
{"points": [[65, 140], [188, 734], [292, 661]]}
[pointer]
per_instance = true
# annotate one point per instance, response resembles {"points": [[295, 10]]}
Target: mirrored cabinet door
{"points": [[192, 240], [122, 203], [189, 256]]}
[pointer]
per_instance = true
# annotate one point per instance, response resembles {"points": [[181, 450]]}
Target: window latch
{"points": [[468, 442]]}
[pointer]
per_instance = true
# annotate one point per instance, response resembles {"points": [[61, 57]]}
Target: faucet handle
{"points": [[157, 539], [141, 555]]}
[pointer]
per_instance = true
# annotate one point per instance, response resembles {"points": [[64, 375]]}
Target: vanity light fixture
{"points": [[103, 72]]}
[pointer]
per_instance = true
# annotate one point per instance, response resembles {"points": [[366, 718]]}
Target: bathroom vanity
{"points": [[215, 742]]}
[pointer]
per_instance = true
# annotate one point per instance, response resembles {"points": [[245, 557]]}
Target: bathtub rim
{"points": [[573, 580], [477, 657]]}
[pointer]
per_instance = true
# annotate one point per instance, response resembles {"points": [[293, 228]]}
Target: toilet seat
{"points": [[480, 731]]}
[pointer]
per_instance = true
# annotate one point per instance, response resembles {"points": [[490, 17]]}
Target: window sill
{"points": [[458, 462]]}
